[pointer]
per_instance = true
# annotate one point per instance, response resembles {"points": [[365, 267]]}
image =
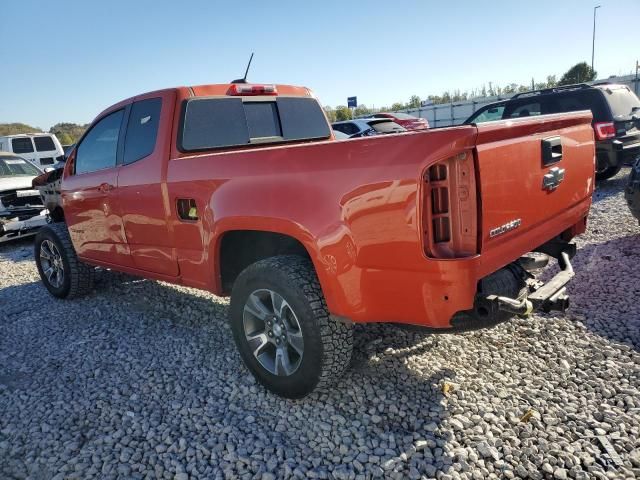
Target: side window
{"points": [[524, 110], [490, 114], [44, 144], [348, 128], [98, 149], [142, 129], [580, 100], [21, 145]]}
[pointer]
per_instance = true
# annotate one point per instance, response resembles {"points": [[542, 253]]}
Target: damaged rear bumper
{"points": [[547, 296]]}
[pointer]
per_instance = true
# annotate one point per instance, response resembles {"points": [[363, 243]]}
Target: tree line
{"points": [[67, 133], [580, 72]]}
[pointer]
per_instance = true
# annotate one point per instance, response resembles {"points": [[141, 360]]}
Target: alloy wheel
{"points": [[273, 332], [52, 264]]}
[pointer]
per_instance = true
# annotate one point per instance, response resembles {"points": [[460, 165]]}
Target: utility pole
{"points": [[593, 44]]}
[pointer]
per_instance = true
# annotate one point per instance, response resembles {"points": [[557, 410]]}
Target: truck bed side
{"points": [[358, 207]]}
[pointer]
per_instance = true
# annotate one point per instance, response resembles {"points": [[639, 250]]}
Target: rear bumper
{"points": [[432, 295], [615, 153], [546, 297]]}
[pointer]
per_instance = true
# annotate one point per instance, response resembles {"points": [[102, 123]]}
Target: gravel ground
{"points": [[141, 380]]}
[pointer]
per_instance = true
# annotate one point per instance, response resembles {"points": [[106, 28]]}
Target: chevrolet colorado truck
{"points": [[240, 189]]}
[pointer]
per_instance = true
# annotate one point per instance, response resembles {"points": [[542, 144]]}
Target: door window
{"points": [[523, 110], [98, 149], [489, 115], [142, 129], [348, 128]]}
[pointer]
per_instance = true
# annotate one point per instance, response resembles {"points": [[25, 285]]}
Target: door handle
{"points": [[551, 150], [105, 187]]}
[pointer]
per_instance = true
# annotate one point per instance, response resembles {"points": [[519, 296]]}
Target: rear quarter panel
{"points": [[352, 204]]}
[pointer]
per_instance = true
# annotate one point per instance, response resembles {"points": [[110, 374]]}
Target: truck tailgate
{"points": [[530, 171]]}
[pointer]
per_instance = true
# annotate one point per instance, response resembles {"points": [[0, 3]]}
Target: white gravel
{"points": [[142, 380]]}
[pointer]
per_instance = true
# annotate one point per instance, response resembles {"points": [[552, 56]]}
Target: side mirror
{"points": [[48, 169]]}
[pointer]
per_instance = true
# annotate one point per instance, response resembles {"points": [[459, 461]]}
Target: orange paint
{"points": [[358, 207]]}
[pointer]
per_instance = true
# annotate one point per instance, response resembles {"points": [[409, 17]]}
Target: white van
{"points": [[41, 149]]}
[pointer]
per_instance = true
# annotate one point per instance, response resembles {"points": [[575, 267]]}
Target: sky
{"points": [[69, 62]]}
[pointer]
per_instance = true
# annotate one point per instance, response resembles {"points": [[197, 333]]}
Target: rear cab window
{"points": [[44, 144], [22, 145], [222, 122]]}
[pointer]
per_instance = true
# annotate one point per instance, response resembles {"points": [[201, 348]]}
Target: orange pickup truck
{"points": [[241, 189]]}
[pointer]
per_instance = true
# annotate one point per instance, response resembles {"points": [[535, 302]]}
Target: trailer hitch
{"points": [[543, 296]]}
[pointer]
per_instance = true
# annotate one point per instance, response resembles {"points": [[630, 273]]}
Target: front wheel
{"points": [[60, 270], [283, 330]]}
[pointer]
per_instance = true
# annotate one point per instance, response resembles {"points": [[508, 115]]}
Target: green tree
{"points": [[362, 110], [331, 113], [397, 106], [343, 113], [17, 128], [580, 72], [70, 132], [414, 102], [65, 138]]}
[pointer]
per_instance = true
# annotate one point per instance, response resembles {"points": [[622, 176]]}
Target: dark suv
{"points": [[616, 117], [633, 190]]}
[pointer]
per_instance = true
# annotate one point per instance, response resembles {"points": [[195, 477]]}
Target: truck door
{"points": [[142, 201], [88, 190]]}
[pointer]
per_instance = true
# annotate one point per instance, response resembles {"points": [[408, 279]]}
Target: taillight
{"points": [[604, 130], [246, 89], [449, 210]]}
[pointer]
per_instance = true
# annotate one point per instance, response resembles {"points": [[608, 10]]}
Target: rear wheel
{"points": [[60, 270], [283, 330], [604, 170]]}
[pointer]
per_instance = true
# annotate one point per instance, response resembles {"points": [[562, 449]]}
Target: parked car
{"points": [[21, 209], [407, 121], [616, 117], [365, 127], [338, 135], [632, 192], [67, 149], [240, 189], [41, 149]]}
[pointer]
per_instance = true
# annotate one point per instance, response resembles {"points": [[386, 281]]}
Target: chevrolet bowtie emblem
{"points": [[553, 178]]}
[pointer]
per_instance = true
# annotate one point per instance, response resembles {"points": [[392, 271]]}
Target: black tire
{"points": [[607, 173], [327, 343], [77, 278], [632, 192]]}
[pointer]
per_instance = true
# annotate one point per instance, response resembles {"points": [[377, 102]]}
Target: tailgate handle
{"points": [[551, 151]]}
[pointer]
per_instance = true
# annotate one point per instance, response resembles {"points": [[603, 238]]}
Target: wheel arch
{"points": [[237, 247]]}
